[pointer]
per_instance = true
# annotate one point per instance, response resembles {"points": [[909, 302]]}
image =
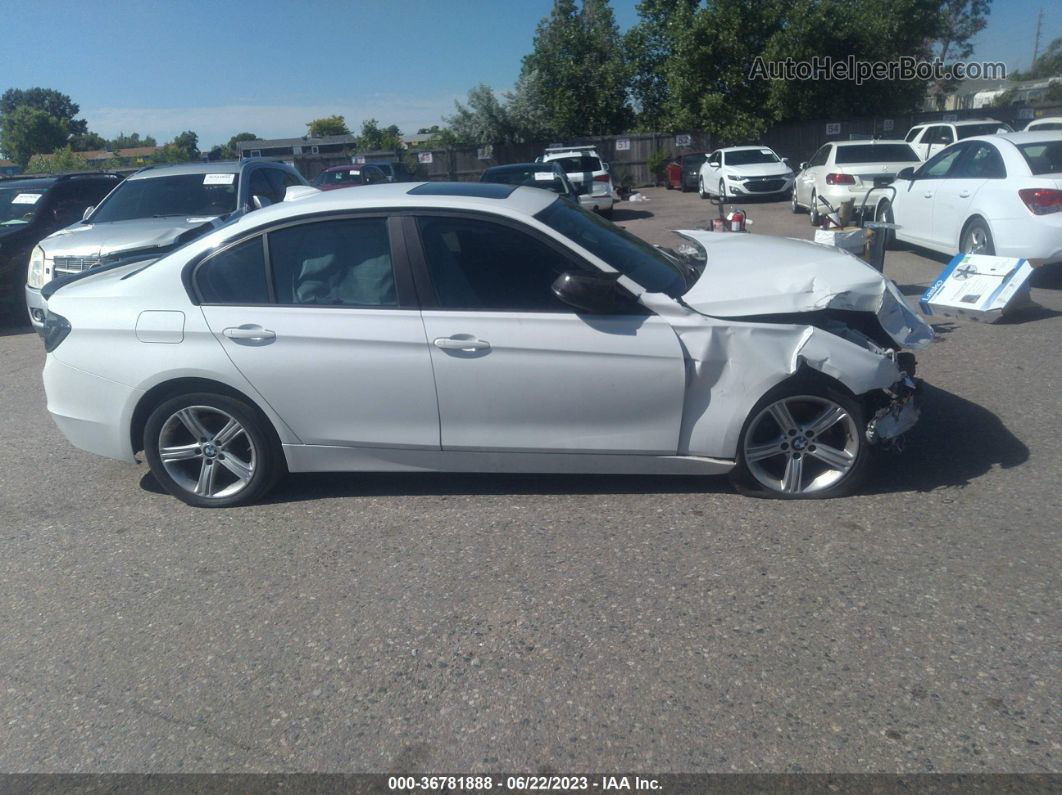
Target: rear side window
{"points": [[913, 134], [876, 153], [333, 263], [581, 163], [236, 275], [981, 161], [1043, 157]]}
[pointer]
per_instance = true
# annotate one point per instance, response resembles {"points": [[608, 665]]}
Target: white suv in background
{"points": [[928, 139], [587, 172]]}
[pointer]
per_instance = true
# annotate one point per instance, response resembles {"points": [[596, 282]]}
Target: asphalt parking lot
{"points": [[399, 623]]}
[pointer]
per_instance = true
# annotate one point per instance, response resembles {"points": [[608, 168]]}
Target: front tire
{"points": [[700, 188], [212, 451], [803, 440], [977, 239], [794, 206], [723, 198]]}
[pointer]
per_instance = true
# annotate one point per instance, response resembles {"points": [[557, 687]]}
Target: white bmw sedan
{"points": [[744, 171], [479, 327], [996, 194]]}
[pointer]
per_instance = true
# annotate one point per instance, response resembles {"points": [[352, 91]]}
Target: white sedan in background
{"points": [[479, 327], [995, 194], [744, 171], [843, 170]]}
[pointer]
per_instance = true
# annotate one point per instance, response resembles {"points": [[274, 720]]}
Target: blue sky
{"points": [[269, 66]]}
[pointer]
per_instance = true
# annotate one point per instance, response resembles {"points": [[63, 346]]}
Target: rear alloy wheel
{"points": [[977, 239], [211, 451], [804, 440]]}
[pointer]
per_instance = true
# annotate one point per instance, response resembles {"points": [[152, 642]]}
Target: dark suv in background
{"points": [[31, 208]]}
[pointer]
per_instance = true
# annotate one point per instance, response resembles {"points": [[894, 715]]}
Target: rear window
{"points": [[875, 153], [1043, 157], [972, 130], [579, 163]]}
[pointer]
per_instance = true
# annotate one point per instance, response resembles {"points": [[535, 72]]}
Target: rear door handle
{"points": [[461, 342], [928, 195], [250, 332], [964, 194]]}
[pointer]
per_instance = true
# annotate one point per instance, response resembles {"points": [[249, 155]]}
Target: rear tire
{"points": [[977, 238], [885, 215], [805, 439], [212, 451], [700, 188], [793, 205]]}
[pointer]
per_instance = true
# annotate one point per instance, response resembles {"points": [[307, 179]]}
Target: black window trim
{"points": [[404, 282], [422, 277]]}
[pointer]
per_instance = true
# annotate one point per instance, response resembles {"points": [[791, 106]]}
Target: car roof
{"points": [[350, 167], [1023, 137], [215, 167], [51, 179], [871, 143], [547, 166], [486, 196], [585, 151], [38, 182], [744, 148]]}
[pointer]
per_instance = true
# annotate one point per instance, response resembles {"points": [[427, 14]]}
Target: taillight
{"points": [[601, 178], [840, 179], [1042, 201]]}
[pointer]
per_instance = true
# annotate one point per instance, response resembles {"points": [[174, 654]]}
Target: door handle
{"points": [[250, 332], [461, 342], [928, 195], [964, 194]]}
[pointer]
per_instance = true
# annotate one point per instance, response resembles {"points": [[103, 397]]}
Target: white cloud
{"points": [[215, 125]]}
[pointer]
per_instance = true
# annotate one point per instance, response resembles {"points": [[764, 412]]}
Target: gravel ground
{"points": [[523, 623]]}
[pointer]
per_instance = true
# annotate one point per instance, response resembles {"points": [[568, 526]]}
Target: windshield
{"points": [[748, 157], [876, 153], [532, 177], [19, 205], [1043, 157], [179, 195], [970, 130], [348, 177], [645, 264]]}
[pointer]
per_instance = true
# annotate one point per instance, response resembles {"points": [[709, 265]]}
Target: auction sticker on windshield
{"points": [[26, 198], [219, 179]]}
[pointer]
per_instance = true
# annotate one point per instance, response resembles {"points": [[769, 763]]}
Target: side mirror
{"points": [[906, 173], [803, 165], [88, 212], [258, 202], [594, 293]]}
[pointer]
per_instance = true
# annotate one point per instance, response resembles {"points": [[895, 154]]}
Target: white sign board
{"points": [[683, 140], [887, 125], [833, 128], [623, 144], [423, 157], [976, 285], [485, 152], [358, 160]]}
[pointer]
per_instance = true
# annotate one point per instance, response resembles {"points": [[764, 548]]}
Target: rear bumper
{"points": [[93, 413], [37, 306], [1036, 238], [598, 203]]}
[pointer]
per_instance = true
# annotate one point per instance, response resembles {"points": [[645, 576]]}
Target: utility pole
{"points": [[1036, 45]]}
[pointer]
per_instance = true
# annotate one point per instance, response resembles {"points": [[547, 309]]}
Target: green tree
{"points": [[60, 161], [484, 120], [88, 142], [329, 125], [373, 138], [52, 102], [182, 149], [27, 131], [650, 44], [1048, 64], [132, 141], [230, 151], [526, 108], [577, 70]]}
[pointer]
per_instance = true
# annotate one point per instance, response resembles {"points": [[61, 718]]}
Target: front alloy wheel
{"points": [[802, 442], [700, 188], [210, 451], [722, 192]]}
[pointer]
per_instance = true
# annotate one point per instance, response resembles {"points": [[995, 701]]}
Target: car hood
{"points": [[748, 276], [88, 240], [760, 170]]}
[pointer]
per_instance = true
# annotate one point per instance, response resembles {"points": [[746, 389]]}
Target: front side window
{"points": [[477, 264], [236, 275], [913, 134], [940, 135], [820, 157], [181, 194], [939, 166], [630, 255], [981, 161], [333, 263]]}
